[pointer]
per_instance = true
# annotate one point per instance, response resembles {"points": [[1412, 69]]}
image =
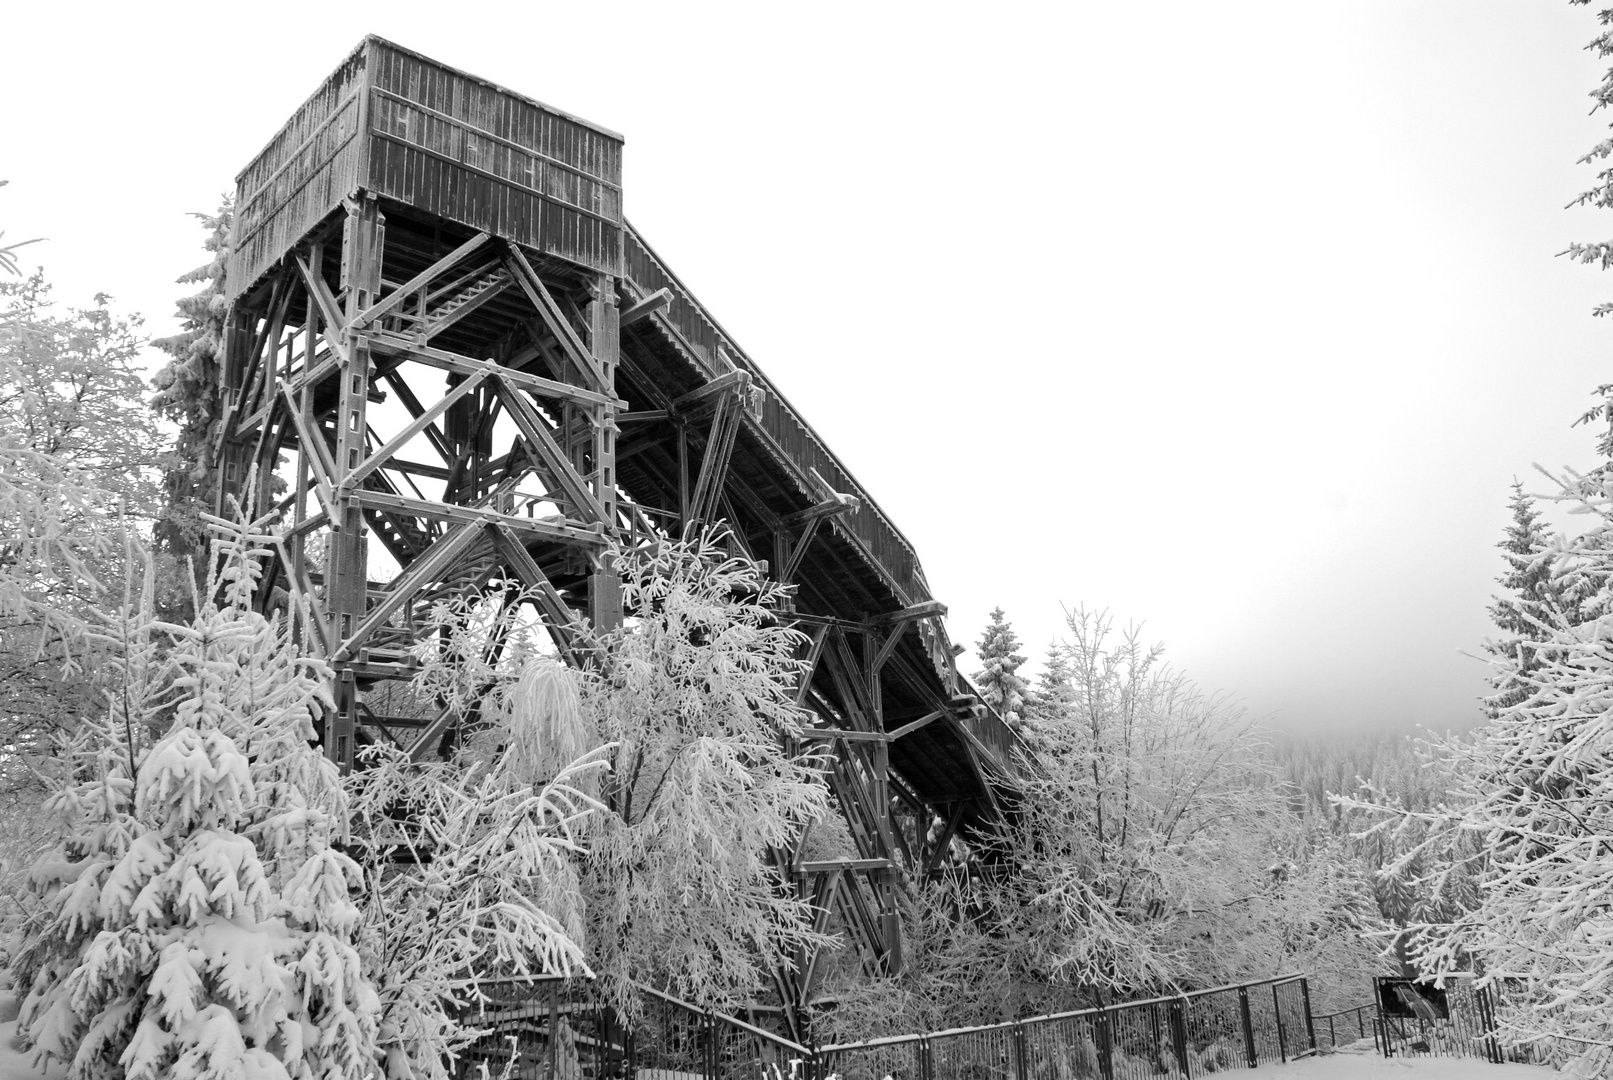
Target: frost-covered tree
{"points": [[998, 680], [78, 458], [1051, 697], [189, 392], [1153, 844], [696, 692], [471, 863], [1534, 599], [196, 919]]}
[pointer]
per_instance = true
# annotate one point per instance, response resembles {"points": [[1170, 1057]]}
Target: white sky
{"points": [[1235, 318]]}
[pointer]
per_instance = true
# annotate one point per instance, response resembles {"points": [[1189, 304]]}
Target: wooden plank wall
{"points": [[299, 177], [439, 140], [468, 151]]}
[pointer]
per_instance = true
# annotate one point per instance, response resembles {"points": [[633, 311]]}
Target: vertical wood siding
{"points": [[299, 177], [466, 150], [441, 141]]}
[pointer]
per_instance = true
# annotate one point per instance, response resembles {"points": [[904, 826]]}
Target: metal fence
{"points": [[1418, 1017], [1228, 1027], [1345, 1027], [556, 1030]]}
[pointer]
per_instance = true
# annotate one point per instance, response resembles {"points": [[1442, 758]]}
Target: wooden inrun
{"points": [[474, 369]]}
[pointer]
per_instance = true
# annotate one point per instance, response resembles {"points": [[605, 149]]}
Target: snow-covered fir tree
{"points": [[195, 918], [188, 391], [1533, 600], [1052, 696], [999, 684]]}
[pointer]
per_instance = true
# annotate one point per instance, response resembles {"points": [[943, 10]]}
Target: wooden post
{"points": [[346, 561], [605, 583]]}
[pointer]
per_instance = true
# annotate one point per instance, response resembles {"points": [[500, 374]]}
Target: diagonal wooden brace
{"points": [[385, 454], [414, 284], [424, 570]]}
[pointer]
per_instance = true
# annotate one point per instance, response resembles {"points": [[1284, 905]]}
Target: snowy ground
{"points": [[1365, 1063], [1352, 1063]]}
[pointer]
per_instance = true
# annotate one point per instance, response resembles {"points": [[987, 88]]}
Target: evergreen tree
{"points": [[1534, 601], [998, 682], [195, 919], [189, 391], [1053, 695]]}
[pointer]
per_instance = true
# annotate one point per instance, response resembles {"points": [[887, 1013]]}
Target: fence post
{"points": [[926, 1063], [1177, 1016], [1106, 1062], [1248, 1027], [1310, 1025], [1019, 1052], [1282, 1032]]}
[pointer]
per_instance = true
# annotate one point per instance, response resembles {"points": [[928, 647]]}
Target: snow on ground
{"points": [[1363, 1062]]}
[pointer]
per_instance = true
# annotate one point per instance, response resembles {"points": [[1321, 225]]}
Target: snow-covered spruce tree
{"points": [[1534, 599], [998, 681], [695, 692], [188, 391], [1051, 697], [471, 863], [196, 919]]}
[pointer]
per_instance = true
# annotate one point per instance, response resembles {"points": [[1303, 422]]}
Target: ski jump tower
{"points": [[473, 368]]}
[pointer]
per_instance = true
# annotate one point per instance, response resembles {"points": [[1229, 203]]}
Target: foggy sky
{"points": [[1235, 319]]}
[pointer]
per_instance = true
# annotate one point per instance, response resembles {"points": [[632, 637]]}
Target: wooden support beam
{"points": [[923, 721], [558, 617], [385, 343], [437, 561], [930, 609], [820, 866], [554, 318], [425, 277], [888, 646], [739, 380], [312, 446], [380, 457], [536, 433], [944, 841], [656, 301], [842, 733], [831, 507], [814, 654], [545, 530], [329, 309]]}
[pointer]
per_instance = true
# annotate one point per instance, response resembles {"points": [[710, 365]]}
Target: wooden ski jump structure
{"points": [[475, 367]]}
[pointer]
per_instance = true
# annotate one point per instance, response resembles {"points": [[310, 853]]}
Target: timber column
{"points": [[604, 325], [346, 562]]}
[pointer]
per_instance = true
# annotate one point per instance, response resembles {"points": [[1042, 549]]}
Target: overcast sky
{"points": [[1237, 319]]}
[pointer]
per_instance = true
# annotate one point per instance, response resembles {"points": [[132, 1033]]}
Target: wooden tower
{"points": [[462, 360]]}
